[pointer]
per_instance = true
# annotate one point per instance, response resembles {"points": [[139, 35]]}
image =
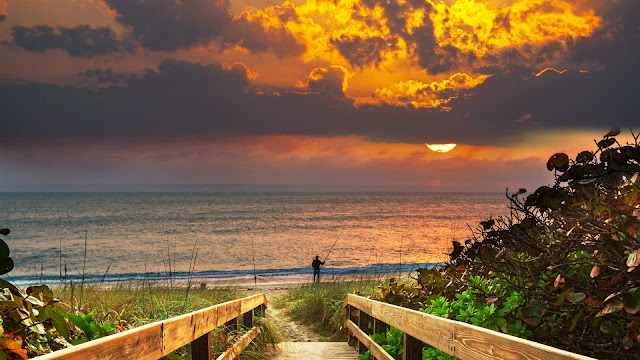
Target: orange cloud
{"points": [[3, 9], [403, 45], [419, 94], [332, 80]]}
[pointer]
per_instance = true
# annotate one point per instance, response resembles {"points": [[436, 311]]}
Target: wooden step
{"points": [[313, 351]]}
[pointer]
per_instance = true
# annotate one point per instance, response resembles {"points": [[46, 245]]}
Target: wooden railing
{"points": [[464, 341], [152, 341]]}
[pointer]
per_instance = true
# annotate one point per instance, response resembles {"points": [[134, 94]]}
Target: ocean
{"points": [[138, 235]]}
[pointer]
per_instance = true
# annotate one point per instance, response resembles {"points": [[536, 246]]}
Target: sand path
{"points": [[290, 330]]}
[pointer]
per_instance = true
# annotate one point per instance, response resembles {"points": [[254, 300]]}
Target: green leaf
{"points": [[633, 259], [614, 306], [584, 157], [4, 284], [576, 297], [4, 231], [631, 301], [4, 249], [6, 265], [574, 322], [606, 143], [607, 327], [559, 161], [42, 292], [562, 297]]}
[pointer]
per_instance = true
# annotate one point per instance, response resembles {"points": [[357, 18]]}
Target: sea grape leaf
{"points": [[612, 307], [559, 161], [4, 231], [632, 301], [607, 327], [42, 292], [576, 297], [584, 157], [4, 284], [615, 131], [487, 224], [633, 259], [6, 265], [4, 249], [595, 271], [606, 143]]}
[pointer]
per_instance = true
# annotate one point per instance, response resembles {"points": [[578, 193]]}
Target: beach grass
{"points": [[129, 305], [321, 305]]}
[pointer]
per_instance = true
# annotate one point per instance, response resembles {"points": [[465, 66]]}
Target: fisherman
{"points": [[316, 268]]}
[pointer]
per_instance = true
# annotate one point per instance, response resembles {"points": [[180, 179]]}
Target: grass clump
{"points": [[321, 305], [133, 305]]}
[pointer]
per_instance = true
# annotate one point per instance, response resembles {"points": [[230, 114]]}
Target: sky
{"points": [[313, 94]]}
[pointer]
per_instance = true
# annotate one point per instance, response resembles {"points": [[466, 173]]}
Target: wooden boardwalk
{"points": [[314, 351]]}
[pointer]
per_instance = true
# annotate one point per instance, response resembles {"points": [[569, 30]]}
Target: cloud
{"points": [[331, 81], [182, 98], [3, 9], [169, 25], [361, 51], [106, 76], [425, 95], [79, 41]]}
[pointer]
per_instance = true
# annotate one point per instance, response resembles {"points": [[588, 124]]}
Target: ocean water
{"points": [[138, 235]]}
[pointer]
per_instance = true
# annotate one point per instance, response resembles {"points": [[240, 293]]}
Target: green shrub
{"points": [[561, 269]]}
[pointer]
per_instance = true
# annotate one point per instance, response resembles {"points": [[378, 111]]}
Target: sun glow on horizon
{"points": [[442, 148]]}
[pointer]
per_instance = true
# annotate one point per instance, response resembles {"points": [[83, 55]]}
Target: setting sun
{"points": [[443, 148]]}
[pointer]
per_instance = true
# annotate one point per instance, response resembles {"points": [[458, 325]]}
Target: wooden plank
{"points": [[240, 345], [144, 342], [181, 330], [201, 347], [459, 339], [154, 340], [411, 348], [360, 302], [252, 302], [313, 351], [376, 350]]}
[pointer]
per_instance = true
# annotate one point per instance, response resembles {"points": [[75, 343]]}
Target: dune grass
{"points": [[130, 305], [320, 305]]}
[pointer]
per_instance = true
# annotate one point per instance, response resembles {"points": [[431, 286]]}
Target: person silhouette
{"points": [[316, 268]]}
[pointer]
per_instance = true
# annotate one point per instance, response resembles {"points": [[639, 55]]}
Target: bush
{"points": [[561, 269]]}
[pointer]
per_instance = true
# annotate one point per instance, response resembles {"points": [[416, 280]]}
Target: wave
{"points": [[376, 269]]}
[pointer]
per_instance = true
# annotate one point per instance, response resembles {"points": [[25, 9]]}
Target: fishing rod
{"points": [[334, 245]]}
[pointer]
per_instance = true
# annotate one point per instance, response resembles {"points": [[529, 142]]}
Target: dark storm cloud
{"points": [[616, 44], [329, 81], [106, 76], [169, 25], [79, 41], [189, 99], [362, 51], [435, 59]]}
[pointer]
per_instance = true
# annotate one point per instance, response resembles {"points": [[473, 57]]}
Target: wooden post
{"points": [[379, 326], [201, 347], [412, 348], [363, 324], [229, 326], [259, 311], [247, 319]]}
